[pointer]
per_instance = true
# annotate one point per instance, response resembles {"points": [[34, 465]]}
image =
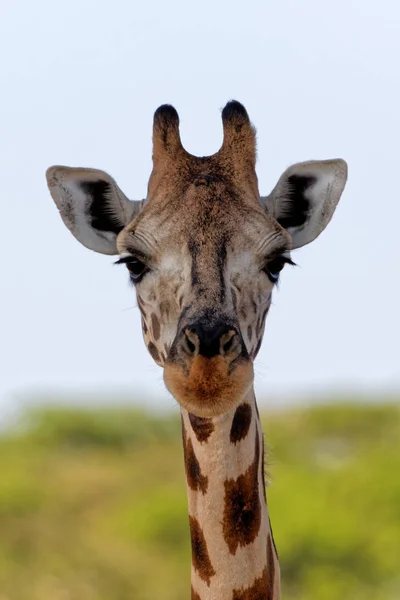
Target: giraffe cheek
{"points": [[155, 327], [155, 354]]}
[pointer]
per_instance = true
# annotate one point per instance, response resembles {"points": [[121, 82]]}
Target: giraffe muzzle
{"points": [[209, 370]]}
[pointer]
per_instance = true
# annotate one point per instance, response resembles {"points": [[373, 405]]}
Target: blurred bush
{"points": [[93, 504]]}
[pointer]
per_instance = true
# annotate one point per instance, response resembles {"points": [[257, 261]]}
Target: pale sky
{"points": [[80, 81]]}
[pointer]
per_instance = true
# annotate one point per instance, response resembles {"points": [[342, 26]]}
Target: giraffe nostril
{"points": [[228, 345], [228, 341], [190, 342], [190, 345]]}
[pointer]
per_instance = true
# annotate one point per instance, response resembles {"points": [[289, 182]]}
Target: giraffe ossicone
{"points": [[204, 251]]}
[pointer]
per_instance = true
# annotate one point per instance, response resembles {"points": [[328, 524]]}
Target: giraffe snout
{"points": [[208, 369]]}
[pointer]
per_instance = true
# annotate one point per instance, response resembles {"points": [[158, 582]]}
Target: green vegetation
{"points": [[93, 504]]}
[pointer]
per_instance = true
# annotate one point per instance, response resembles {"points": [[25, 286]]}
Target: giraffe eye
{"points": [[275, 266], [135, 267]]}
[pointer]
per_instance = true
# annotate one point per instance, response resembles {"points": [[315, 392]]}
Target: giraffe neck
{"points": [[233, 554]]}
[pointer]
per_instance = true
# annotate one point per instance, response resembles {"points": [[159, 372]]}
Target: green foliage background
{"points": [[93, 504]]}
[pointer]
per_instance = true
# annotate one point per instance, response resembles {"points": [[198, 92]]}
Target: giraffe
{"points": [[204, 251]]}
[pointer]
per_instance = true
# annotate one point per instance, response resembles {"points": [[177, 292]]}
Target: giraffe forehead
{"points": [[185, 207]]}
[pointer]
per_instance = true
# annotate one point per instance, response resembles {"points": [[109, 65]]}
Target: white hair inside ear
{"points": [[91, 205], [305, 198]]}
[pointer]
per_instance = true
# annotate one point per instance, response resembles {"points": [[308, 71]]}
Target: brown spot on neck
{"points": [[200, 557], [260, 590], [195, 479], [202, 427], [242, 512], [194, 595], [241, 423], [263, 587]]}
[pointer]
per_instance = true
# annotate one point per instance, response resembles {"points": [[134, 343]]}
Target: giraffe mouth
{"points": [[209, 387]]}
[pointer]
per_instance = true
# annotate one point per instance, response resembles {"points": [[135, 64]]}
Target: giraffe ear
{"points": [[305, 198], [91, 205]]}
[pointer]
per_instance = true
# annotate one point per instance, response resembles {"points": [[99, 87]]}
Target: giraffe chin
{"points": [[212, 387]]}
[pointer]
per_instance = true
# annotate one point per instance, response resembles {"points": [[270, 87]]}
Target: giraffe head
{"points": [[203, 250]]}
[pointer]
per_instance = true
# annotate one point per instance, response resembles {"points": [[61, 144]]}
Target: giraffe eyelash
{"points": [[137, 268], [123, 260], [129, 258], [275, 265], [286, 260]]}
